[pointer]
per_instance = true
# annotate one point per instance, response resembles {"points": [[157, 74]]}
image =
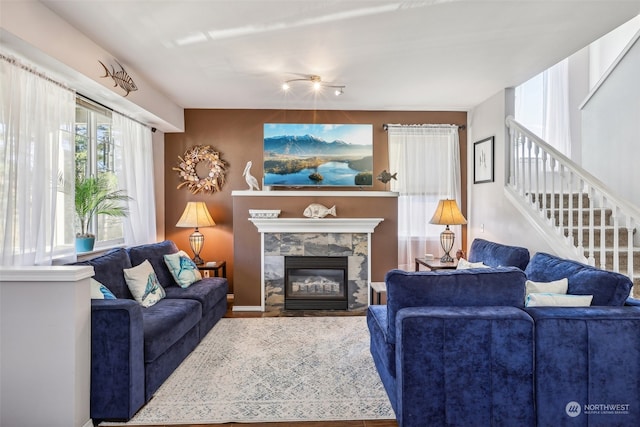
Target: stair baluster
{"points": [[543, 184]]}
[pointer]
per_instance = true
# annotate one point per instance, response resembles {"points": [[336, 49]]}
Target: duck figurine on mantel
{"points": [[316, 210], [252, 182]]}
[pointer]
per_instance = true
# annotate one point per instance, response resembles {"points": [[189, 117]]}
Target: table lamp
{"points": [[447, 213], [196, 215]]}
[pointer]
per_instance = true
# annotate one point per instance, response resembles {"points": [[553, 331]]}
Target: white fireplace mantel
{"points": [[316, 225]]}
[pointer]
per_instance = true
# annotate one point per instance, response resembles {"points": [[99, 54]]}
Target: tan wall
{"points": [[238, 136]]}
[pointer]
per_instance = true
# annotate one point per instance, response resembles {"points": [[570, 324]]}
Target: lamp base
{"points": [[447, 237], [196, 240], [446, 258]]}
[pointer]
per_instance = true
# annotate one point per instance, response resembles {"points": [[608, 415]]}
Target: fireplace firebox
{"points": [[315, 283]]}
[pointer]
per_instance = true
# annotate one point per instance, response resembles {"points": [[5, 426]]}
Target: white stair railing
{"points": [[573, 207]]}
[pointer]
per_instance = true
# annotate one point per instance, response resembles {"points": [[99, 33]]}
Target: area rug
{"points": [[273, 369]]}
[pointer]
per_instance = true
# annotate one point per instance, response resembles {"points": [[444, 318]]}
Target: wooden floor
{"points": [[361, 423]]}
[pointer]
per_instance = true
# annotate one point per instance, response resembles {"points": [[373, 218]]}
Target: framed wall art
{"points": [[483, 161], [318, 155]]}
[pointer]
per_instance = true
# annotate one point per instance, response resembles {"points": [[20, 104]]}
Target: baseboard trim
{"points": [[247, 308]]}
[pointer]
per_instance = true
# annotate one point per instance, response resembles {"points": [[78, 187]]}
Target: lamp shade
{"points": [[448, 213], [196, 215]]}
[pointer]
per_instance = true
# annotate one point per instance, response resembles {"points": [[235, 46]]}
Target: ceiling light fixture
{"points": [[317, 84]]}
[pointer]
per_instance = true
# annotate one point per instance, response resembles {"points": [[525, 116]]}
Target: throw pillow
{"points": [[143, 284], [463, 264], [182, 268], [556, 287], [100, 291], [557, 300]]}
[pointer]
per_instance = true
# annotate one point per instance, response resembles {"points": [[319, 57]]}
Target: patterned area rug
{"points": [[274, 369]]}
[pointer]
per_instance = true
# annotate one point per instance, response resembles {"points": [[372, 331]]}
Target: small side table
{"points": [[215, 268], [377, 289], [436, 264]]}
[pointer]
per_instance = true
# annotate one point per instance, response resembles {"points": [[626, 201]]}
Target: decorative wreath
{"points": [[187, 170]]}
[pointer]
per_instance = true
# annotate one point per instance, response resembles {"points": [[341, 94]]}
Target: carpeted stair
{"points": [[558, 208]]}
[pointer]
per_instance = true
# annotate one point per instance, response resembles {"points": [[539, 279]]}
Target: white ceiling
{"points": [[391, 55]]}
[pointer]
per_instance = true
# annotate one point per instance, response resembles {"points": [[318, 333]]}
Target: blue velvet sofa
{"points": [[135, 349], [459, 347]]}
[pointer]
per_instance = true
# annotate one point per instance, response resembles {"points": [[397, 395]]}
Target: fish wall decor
{"points": [[120, 78], [385, 176]]}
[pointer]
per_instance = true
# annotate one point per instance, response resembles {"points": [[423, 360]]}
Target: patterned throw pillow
{"points": [[183, 269], [143, 284], [100, 291]]}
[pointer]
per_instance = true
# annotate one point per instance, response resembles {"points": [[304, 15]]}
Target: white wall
{"points": [[604, 51], [611, 128], [30, 30], [491, 215]]}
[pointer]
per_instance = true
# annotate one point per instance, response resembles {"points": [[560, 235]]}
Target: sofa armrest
{"points": [[117, 359], [464, 366], [633, 302], [587, 356]]}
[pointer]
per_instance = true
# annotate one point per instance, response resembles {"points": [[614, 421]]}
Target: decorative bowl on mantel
{"points": [[264, 213]]}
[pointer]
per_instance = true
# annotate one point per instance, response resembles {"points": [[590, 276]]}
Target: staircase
{"points": [[576, 213]]}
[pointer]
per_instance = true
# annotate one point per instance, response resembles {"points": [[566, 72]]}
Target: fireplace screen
{"points": [[316, 283]]}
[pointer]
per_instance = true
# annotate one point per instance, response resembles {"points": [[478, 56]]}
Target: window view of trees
{"points": [[96, 154]]}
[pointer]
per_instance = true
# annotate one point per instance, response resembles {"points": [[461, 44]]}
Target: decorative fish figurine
{"points": [[120, 78], [316, 210], [385, 176]]}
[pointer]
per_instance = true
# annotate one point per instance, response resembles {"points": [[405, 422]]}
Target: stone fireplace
{"points": [[315, 282], [348, 238]]}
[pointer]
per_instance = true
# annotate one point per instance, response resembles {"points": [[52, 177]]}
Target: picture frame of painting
{"points": [[318, 155], [483, 170]]}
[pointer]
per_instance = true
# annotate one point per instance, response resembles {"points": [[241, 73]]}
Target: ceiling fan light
{"points": [[285, 86], [317, 86]]}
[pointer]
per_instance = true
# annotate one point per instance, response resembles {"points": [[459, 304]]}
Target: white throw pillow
{"points": [[100, 291], [557, 300], [463, 264], [555, 287], [182, 268], [143, 284]]}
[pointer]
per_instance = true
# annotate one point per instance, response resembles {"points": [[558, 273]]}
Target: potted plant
{"points": [[94, 196]]}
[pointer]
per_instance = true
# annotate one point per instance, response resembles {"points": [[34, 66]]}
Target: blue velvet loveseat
{"points": [[134, 349], [460, 348]]}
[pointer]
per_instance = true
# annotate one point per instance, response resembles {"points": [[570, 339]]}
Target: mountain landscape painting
{"points": [[329, 155]]}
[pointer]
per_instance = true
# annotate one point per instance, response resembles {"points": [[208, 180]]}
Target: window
{"points": [[542, 106], [97, 153]]}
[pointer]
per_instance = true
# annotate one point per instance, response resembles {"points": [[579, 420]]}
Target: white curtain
{"points": [[427, 160], [135, 176], [36, 157], [542, 105]]}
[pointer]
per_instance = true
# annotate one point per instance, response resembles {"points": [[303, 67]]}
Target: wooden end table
{"points": [[436, 264], [215, 268], [377, 289]]}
